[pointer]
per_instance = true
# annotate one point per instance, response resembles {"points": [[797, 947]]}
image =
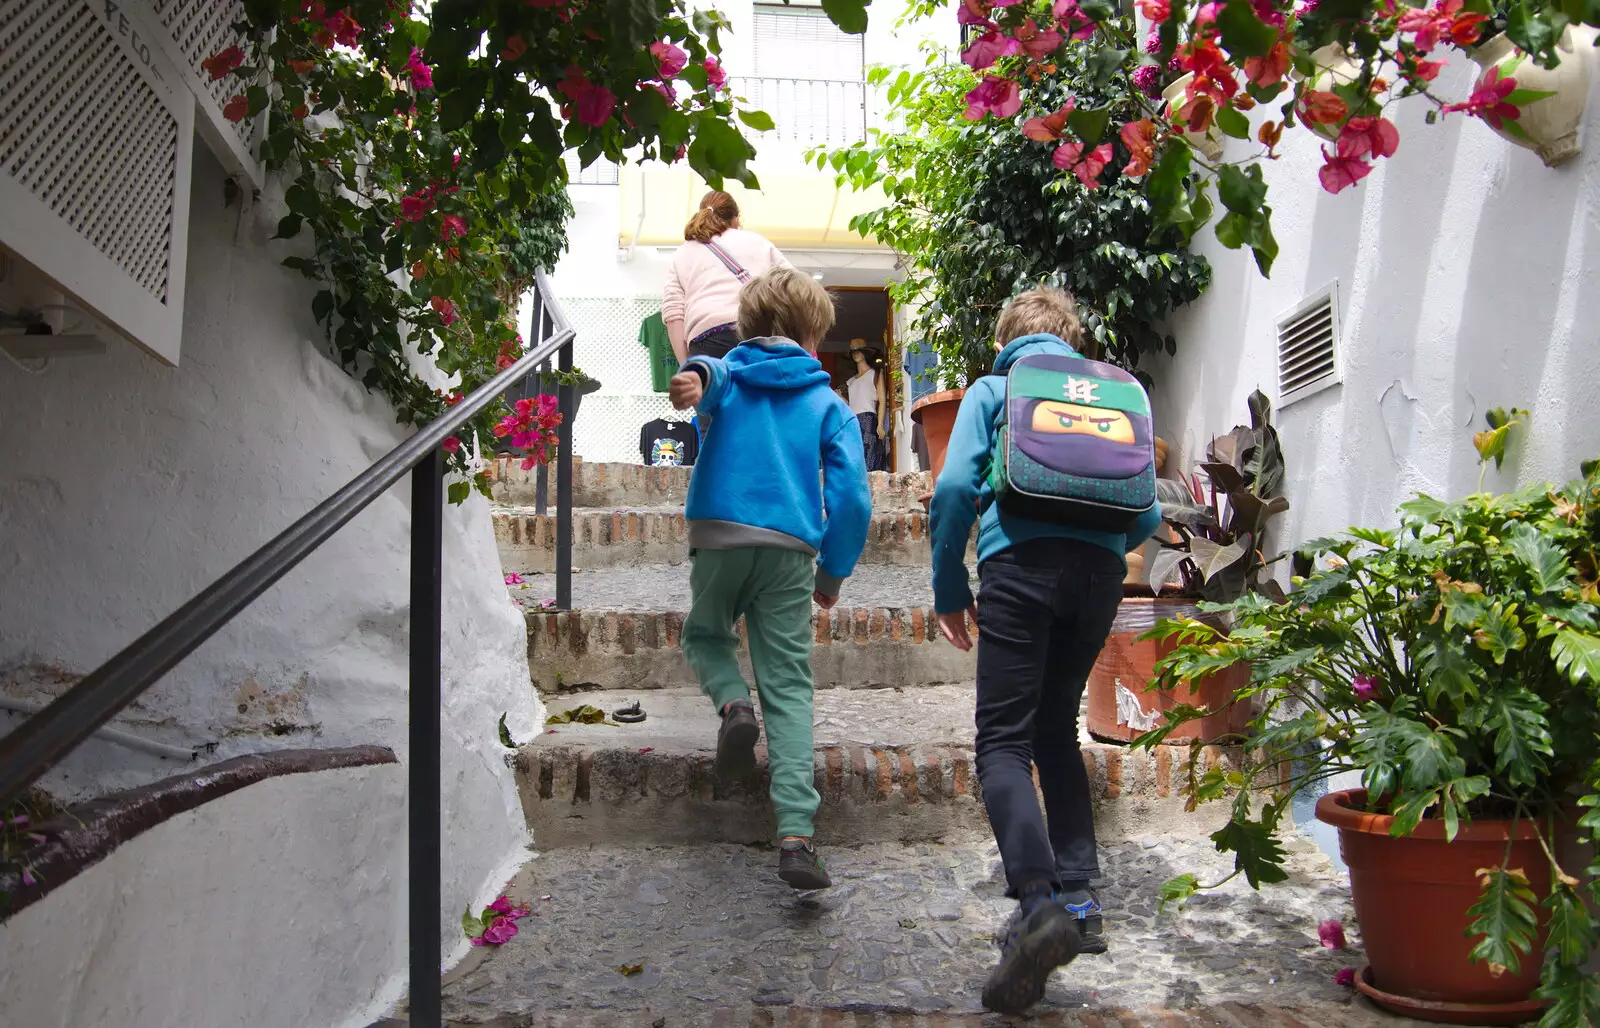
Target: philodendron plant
{"points": [[1216, 547]]}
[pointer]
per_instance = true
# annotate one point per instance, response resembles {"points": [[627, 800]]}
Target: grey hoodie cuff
{"points": [[827, 584]]}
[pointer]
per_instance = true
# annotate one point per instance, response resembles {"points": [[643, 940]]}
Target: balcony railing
{"points": [[808, 112]]}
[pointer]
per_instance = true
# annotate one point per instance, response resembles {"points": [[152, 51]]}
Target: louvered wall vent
{"points": [[96, 136], [1308, 347], [194, 31]]}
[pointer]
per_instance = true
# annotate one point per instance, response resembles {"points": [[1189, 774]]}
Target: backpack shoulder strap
{"points": [[728, 262]]}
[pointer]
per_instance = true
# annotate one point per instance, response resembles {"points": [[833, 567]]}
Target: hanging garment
{"points": [[669, 444], [871, 446], [663, 362], [862, 393], [922, 368]]}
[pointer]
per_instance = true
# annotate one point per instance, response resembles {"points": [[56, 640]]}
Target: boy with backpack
{"points": [[1056, 454], [767, 537]]}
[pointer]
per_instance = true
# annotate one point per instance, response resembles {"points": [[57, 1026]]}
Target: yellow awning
{"points": [[794, 208]]}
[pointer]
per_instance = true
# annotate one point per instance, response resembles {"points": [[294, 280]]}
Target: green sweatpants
{"points": [[772, 589]]}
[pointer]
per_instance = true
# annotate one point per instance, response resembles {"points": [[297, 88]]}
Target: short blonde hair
{"points": [[785, 302], [1051, 311]]}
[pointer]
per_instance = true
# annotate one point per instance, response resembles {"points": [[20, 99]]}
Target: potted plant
{"points": [[1454, 662], [1213, 552], [1552, 100]]}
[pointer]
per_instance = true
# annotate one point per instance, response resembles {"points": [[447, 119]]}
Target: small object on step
{"points": [[630, 715]]}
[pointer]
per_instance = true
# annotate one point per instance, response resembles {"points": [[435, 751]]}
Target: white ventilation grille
{"points": [[95, 146], [196, 30], [1308, 347]]}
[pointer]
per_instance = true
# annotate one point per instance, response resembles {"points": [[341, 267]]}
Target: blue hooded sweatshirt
{"points": [[771, 423], [963, 490]]}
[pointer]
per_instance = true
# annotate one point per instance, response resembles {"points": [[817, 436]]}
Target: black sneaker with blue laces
{"points": [[1040, 941], [1084, 906]]}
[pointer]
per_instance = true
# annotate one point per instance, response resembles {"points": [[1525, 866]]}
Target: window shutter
{"points": [[96, 137], [193, 30], [801, 43]]}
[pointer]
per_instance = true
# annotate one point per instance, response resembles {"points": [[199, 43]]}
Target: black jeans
{"points": [[714, 343], [1044, 610]]}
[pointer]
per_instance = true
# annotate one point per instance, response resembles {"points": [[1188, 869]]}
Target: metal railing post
{"points": [[423, 787], [565, 395]]}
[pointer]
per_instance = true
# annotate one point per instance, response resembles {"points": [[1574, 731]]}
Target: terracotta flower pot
{"points": [[1209, 144], [936, 412], [1411, 897], [1120, 710], [1551, 123]]}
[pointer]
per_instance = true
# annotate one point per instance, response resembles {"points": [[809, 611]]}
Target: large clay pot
{"points": [[1120, 710], [1210, 144], [1552, 123], [1411, 897], [936, 413]]}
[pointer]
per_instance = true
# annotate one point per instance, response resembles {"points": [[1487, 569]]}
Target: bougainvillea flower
{"points": [[1039, 43], [547, 405], [221, 64], [994, 95], [1147, 77], [1364, 686], [1072, 21], [344, 29], [1269, 70], [1206, 16], [1140, 139], [1331, 934], [716, 78], [594, 103], [445, 309], [1345, 976], [1418, 68], [1157, 11], [452, 445], [1430, 25], [1152, 40], [988, 48], [453, 399], [1488, 99], [1204, 58], [419, 269], [971, 12], [502, 905], [1267, 11], [236, 109], [452, 226], [27, 878], [301, 68], [415, 206], [1086, 165], [1198, 113], [1378, 137], [515, 47], [1049, 128], [1322, 108], [670, 58], [1268, 134], [421, 75], [1339, 173]]}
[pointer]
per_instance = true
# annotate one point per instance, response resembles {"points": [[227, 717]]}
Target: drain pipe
{"points": [[638, 225], [132, 742]]}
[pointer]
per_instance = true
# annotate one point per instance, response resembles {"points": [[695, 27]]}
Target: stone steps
{"points": [[890, 764]]}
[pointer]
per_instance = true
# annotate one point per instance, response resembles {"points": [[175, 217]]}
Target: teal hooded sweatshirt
{"points": [[963, 492]]}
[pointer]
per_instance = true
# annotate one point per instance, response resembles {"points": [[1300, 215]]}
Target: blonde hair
{"points": [[785, 302], [716, 215], [1037, 311]]}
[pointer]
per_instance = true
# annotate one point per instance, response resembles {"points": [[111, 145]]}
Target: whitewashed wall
{"points": [[1466, 274], [125, 488]]}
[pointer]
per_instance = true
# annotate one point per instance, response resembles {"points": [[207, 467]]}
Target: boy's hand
{"points": [[954, 627], [685, 390], [823, 600], [926, 499]]}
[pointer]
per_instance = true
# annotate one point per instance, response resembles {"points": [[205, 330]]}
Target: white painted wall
{"points": [[125, 488], [1466, 274]]}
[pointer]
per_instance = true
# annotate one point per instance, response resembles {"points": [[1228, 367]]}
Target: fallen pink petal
{"points": [[1331, 934], [512, 578], [1345, 976]]}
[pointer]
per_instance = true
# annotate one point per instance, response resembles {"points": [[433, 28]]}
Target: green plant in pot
{"points": [[1454, 662], [1213, 553]]}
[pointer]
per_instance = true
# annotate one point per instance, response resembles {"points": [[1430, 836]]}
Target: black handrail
{"points": [[47, 737]]}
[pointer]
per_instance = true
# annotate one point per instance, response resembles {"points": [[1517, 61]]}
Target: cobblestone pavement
{"points": [[907, 931], [666, 587]]}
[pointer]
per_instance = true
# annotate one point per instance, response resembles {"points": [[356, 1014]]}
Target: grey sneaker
{"points": [[736, 741], [800, 867], [1046, 939]]}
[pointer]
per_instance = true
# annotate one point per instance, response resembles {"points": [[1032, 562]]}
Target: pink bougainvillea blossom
{"points": [[1087, 166], [1152, 40], [1345, 976], [1320, 108], [221, 64], [1268, 71], [1050, 127], [452, 445], [988, 48], [1444, 20], [515, 47], [445, 309], [1364, 686], [716, 78], [1036, 42], [512, 578], [1206, 15], [1337, 173], [1147, 77], [1268, 12], [452, 226], [27, 877], [594, 103], [1072, 20], [1378, 137], [972, 13], [236, 109], [1157, 11], [1418, 68], [670, 58], [1331, 934], [1140, 139], [415, 206], [342, 28], [421, 75], [994, 95], [1488, 99]]}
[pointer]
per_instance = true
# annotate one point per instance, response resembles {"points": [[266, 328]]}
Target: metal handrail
{"points": [[41, 742]]}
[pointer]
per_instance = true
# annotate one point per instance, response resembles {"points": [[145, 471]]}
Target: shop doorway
{"points": [[864, 317]]}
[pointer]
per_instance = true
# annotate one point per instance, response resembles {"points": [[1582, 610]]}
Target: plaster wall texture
{"points": [[127, 487], [1464, 272]]}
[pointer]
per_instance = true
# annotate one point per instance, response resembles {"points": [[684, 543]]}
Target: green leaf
{"points": [[1235, 124], [257, 98], [1448, 674], [1546, 560], [289, 226], [1178, 890], [1577, 655], [1243, 33], [1571, 929], [302, 200], [1212, 559], [505, 734], [457, 492], [471, 926], [588, 714], [1105, 63], [1258, 855], [633, 27], [1523, 97], [1499, 631], [322, 305], [1089, 124], [1573, 995], [761, 121], [1410, 813], [1503, 919], [849, 15]]}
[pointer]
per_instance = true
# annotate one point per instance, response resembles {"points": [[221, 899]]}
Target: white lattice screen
{"points": [[196, 30], [607, 348], [95, 146]]}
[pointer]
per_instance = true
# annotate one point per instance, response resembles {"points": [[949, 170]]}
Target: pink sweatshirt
{"points": [[701, 291]]}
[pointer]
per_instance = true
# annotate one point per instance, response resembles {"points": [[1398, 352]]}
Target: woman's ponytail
{"points": [[716, 215]]}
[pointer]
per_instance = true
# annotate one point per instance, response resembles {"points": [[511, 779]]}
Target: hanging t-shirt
{"points": [[669, 444], [922, 367], [663, 362]]}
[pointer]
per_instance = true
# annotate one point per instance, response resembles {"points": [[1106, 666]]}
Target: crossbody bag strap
{"points": [[728, 262]]}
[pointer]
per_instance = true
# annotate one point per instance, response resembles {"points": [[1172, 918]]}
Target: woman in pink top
{"points": [[700, 303]]}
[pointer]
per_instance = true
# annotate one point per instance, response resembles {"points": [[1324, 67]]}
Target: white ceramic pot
{"points": [[1210, 144], [1552, 123]]}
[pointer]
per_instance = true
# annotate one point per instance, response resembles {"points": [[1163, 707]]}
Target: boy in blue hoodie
{"points": [[767, 537], [1047, 595]]}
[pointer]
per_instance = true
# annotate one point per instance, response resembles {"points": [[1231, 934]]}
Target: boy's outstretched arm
{"points": [[701, 382], [847, 502], [955, 501]]}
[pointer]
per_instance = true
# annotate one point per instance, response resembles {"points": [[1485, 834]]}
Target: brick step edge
{"points": [[582, 632], [1222, 1015]]}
